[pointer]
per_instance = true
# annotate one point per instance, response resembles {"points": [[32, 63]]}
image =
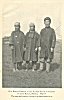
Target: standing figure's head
{"points": [[32, 27], [47, 22], [17, 26]]}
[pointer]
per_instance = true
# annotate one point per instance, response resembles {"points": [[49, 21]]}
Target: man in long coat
{"points": [[31, 55], [47, 44], [17, 41]]}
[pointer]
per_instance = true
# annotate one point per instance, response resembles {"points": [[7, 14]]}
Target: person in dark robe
{"points": [[31, 55], [47, 45], [17, 41]]}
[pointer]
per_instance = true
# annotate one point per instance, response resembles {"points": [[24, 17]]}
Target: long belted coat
{"points": [[47, 41], [31, 43], [17, 40]]}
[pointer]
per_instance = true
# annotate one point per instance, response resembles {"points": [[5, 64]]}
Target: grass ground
{"points": [[29, 79]]}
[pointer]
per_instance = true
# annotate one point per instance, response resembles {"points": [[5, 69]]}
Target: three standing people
{"points": [[27, 47]]}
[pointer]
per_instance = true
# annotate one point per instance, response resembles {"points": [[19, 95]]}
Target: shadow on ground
{"points": [[54, 66]]}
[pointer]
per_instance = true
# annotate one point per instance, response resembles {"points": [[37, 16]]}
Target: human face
{"points": [[47, 23], [32, 28], [17, 28]]}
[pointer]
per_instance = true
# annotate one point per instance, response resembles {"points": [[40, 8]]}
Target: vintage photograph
{"points": [[32, 45]]}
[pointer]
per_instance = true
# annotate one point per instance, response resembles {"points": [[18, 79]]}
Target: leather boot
{"points": [[34, 67], [41, 66], [47, 67]]}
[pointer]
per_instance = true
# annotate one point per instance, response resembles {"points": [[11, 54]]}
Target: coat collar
{"points": [[31, 34]]}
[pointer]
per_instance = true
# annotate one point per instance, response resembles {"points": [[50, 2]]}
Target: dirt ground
{"points": [[29, 79]]}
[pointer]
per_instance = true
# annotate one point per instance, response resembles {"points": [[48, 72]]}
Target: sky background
{"points": [[27, 12]]}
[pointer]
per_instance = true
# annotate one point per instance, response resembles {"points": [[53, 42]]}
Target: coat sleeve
{"points": [[37, 42], [23, 40], [40, 39], [26, 38], [11, 41], [53, 39]]}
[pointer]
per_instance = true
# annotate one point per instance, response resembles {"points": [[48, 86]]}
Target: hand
{"points": [[23, 63], [12, 47], [39, 48], [52, 49], [24, 49], [35, 49]]}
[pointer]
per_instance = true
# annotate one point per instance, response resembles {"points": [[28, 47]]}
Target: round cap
{"points": [[31, 25], [17, 24]]}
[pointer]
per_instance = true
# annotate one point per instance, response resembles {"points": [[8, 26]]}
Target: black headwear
{"points": [[47, 18]]}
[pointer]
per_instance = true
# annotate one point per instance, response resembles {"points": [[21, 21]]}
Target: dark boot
{"points": [[33, 66], [19, 65], [27, 64]]}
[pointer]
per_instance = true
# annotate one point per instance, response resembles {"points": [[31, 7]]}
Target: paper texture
{"points": [[25, 12]]}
